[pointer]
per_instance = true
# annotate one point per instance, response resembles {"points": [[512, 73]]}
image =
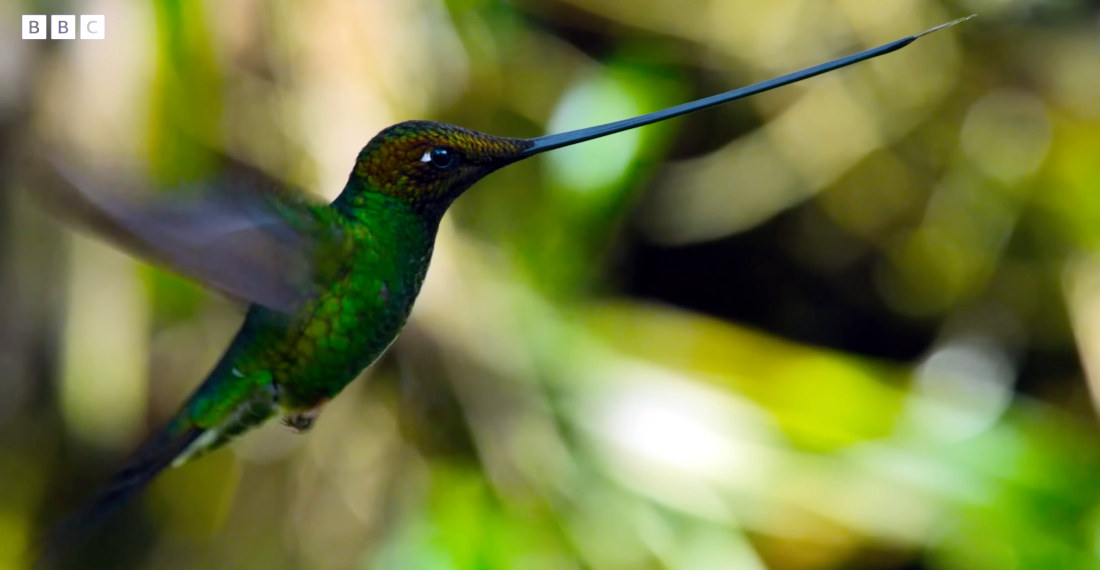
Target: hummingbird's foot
{"points": [[301, 422]]}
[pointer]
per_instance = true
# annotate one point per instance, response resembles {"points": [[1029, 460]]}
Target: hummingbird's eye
{"points": [[441, 157]]}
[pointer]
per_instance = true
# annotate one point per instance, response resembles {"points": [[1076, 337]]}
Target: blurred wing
{"points": [[248, 244]]}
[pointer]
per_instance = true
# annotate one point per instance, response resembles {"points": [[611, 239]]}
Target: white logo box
{"points": [[64, 27]]}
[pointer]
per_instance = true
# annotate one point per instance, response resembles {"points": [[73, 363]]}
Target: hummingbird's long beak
{"points": [[551, 142]]}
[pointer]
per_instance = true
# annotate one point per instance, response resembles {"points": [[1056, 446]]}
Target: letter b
{"points": [[34, 27], [64, 28]]}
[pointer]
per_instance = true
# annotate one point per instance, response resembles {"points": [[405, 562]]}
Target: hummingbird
{"points": [[329, 286]]}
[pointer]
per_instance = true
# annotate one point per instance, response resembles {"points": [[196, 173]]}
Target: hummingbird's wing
{"points": [[260, 247]]}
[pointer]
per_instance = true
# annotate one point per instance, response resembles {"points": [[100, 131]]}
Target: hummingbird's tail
{"points": [[155, 456]]}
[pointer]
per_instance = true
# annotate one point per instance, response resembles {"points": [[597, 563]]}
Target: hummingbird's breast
{"points": [[354, 317]]}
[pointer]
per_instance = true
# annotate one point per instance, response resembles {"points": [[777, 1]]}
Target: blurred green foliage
{"points": [[854, 323]]}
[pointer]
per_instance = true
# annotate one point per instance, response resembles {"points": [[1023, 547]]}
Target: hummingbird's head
{"points": [[427, 163]]}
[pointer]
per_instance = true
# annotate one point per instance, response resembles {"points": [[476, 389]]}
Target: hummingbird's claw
{"points": [[303, 421]]}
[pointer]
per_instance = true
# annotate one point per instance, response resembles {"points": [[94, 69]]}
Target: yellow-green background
{"points": [[849, 324]]}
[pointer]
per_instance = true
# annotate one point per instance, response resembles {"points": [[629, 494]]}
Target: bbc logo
{"points": [[64, 27]]}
